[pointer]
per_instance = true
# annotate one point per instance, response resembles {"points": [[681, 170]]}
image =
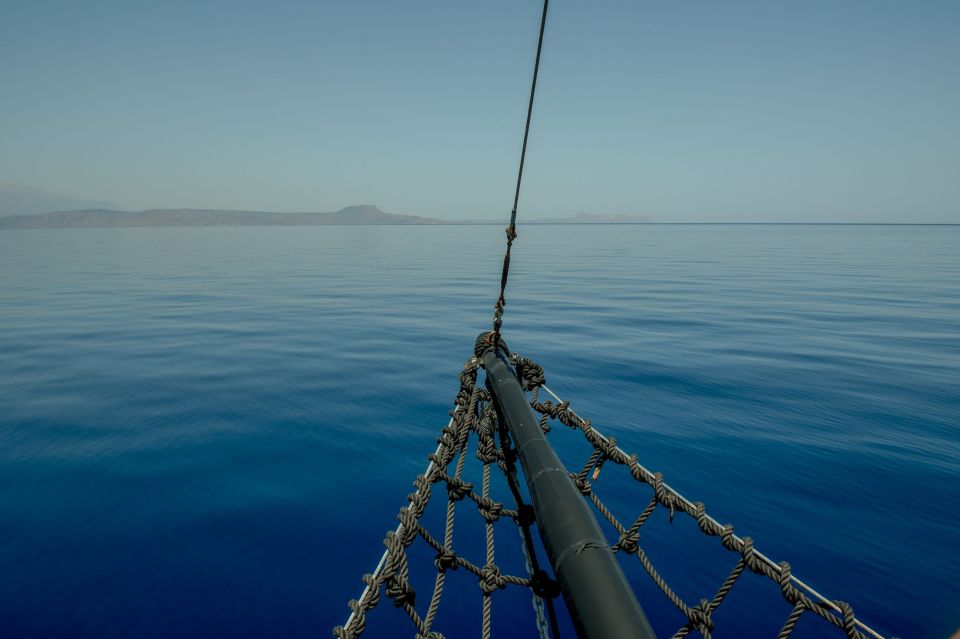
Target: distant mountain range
{"points": [[365, 214], [362, 214], [29, 208]]}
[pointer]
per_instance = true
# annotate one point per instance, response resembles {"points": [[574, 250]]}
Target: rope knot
{"points": [[421, 484], [608, 448], [785, 586], [628, 542], [747, 551], [663, 496], [700, 514], [849, 619], [446, 560], [700, 617], [487, 450], [370, 582], [486, 446], [726, 537], [544, 424], [458, 489], [582, 484], [491, 579], [530, 373], [567, 417], [402, 593], [489, 509], [435, 458], [409, 520]]}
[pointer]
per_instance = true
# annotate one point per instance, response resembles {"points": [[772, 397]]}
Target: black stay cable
{"points": [[512, 229]]}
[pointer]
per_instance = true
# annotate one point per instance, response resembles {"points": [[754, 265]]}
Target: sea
{"points": [[207, 432]]}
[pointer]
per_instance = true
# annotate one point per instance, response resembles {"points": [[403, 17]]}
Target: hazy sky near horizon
{"points": [[681, 111]]}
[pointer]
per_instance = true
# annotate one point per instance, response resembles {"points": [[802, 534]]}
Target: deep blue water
{"points": [[206, 432]]}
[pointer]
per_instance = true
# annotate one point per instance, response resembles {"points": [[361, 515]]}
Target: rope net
{"points": [[474, 426]]}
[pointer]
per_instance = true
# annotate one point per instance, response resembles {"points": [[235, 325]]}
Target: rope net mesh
{"points": [[475, 433]]}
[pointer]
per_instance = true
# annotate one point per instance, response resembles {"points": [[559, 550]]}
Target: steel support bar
{"points": [[600, 600]]}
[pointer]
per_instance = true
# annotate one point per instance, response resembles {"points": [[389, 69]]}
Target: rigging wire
{"points": [[512, 229]]}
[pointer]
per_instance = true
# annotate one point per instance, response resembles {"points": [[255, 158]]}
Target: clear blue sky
{"points": [[821, 110]]}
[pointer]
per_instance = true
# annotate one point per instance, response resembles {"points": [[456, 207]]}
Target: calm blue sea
{"points": [[206, 432]]}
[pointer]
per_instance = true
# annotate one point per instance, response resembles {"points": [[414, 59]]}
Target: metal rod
{"points": [[601, 602]]}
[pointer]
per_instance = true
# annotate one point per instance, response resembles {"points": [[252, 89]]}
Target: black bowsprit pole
{"points": [[600, 600]]}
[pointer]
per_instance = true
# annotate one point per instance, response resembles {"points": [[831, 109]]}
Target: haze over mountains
{"points": [[23, 207], [25, 200]]}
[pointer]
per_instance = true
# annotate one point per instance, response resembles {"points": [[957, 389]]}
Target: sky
{"points": [[688, 111]]}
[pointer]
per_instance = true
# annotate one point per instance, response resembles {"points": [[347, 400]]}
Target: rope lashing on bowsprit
{"points": [[474, 418]]}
